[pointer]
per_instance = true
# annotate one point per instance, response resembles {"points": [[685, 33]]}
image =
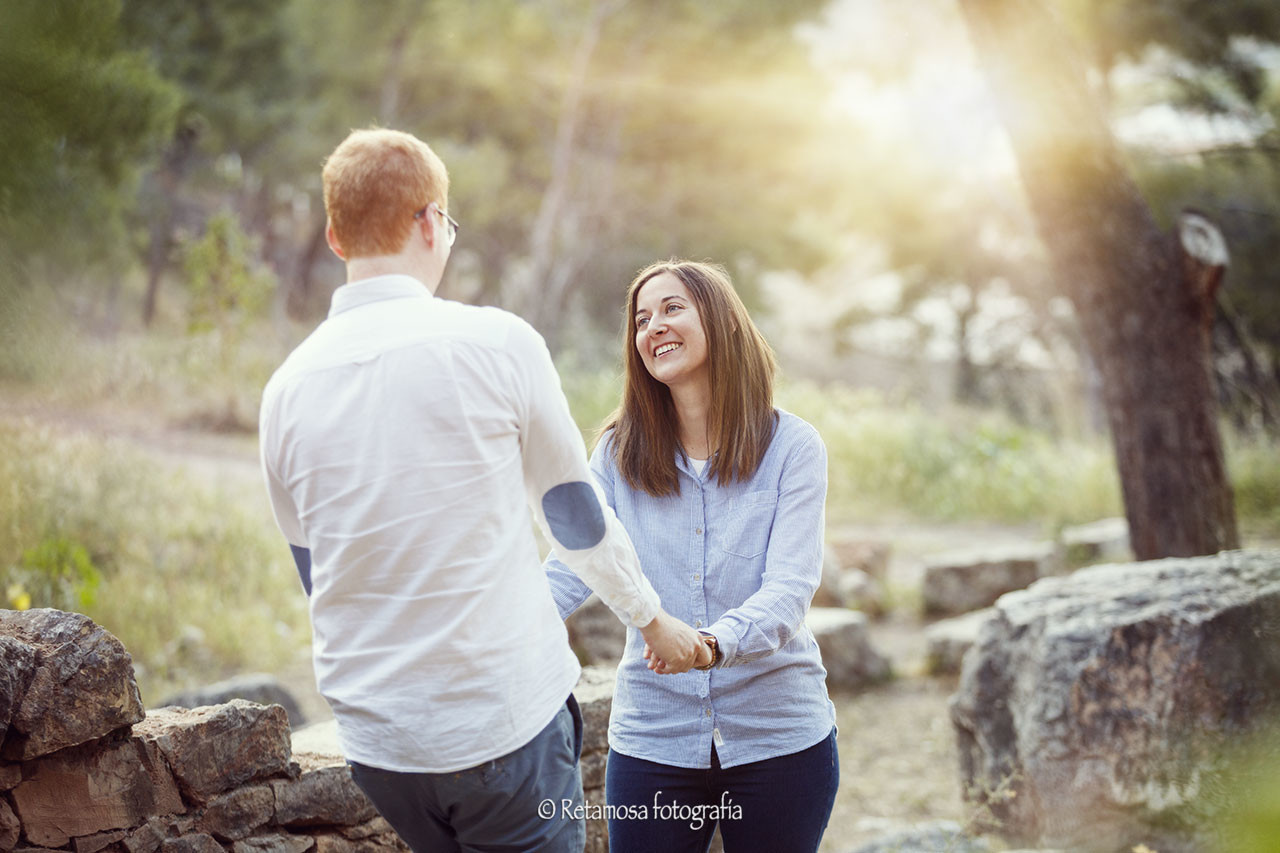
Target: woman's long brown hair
{"points": [[741, 367]]}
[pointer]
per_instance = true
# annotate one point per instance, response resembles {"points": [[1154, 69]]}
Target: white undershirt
{"points": [[699, 465]]}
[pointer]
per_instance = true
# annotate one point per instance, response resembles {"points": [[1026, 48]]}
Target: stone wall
{"points": [[84, 767]]}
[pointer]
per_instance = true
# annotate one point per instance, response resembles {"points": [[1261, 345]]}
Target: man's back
{"points": [[394, 433]]}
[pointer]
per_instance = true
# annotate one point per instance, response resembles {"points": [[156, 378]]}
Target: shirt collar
{"points": [[376, 289]]}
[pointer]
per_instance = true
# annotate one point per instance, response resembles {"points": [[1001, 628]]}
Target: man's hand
{"points": [[671, 646]]}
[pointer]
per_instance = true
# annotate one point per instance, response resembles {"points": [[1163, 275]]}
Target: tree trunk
{"points": [[1143, 300]]}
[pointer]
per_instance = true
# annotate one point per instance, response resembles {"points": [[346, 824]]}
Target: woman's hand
{"points": [[670, 646], [703, 657]]}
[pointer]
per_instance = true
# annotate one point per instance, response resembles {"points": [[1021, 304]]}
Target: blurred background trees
{"points": [[844, 158]]}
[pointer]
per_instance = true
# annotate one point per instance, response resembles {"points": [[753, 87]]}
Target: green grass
{"points": [[191, 578]]}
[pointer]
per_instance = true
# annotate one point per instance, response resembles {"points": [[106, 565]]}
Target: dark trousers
{"points": [[779, 805], [500, 806]]}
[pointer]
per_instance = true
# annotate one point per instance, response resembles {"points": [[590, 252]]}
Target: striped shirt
{"points": [[743, 562]]}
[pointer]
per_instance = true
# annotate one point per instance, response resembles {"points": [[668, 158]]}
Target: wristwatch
{"points": [[714, 645]]}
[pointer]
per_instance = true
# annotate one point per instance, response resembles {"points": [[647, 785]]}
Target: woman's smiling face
{"points": [[669, 334]]}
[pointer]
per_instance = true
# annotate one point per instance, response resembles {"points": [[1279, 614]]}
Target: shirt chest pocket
{"points": [[747, 522]]}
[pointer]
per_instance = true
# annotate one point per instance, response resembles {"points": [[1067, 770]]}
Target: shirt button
{"points": [[698, 531], [698, 624], [697, 577], [708, 712]]}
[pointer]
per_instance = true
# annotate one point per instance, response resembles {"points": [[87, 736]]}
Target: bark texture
{"points": [[1144, 298]]}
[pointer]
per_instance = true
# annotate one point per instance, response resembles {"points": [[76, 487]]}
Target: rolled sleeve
{"points": [[566, 501], [768, 619]]}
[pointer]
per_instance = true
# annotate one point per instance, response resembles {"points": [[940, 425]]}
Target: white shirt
{"points": [[404, 443]]}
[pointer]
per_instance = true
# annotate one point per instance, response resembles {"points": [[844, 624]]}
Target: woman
{"points": [[723, 496]]}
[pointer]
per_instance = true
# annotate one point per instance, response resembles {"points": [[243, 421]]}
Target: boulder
{"points": [[323, 795], [847, 586], [970, 580], [846, 647], [94, 788], [1096, 710], [274, 843], [947, 640], [1105, 540], [10, 829], [63, 681], [258, 687], [868, 555], [214, 749], [596, 635], [239, 813]]}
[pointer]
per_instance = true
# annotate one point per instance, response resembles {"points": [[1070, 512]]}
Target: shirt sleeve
{"points": [[282, 506], [567, 589], [566, 501], [771, 616]]}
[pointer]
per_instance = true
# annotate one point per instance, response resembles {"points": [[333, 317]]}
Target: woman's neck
{"points": [[692, 403]]}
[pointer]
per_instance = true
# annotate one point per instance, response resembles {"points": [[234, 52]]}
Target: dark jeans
{"points": [[496, 807], [779, 805]]}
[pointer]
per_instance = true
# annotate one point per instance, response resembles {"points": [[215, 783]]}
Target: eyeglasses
{"points": [[453, 223]]}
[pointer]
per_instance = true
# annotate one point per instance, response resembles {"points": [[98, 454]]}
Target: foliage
{"points": [[81, 112], [228, 286], [190, 578]]}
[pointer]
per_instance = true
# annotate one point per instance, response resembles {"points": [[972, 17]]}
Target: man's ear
{"points": [[332, 240]]}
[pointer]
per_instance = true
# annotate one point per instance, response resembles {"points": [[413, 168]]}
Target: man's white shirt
{"points": [[404, 443]]}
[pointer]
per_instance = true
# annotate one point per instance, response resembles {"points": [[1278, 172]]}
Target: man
{"points": [[404, 443]]}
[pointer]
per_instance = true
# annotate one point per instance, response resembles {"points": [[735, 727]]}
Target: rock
{"points": [[196, 842], [846, 586], [260, 688], [846, 647], [594, 692], [94, 843], [94, 788], [277, 843], [335, 843], [80, 685], [324, 795], [932, 837], [1107, 540], [10, 775], [237, 814], [596, 635], [947, 640], [10, 828], [1096, 709], [961, 582], [214, 749], [866, 555]]}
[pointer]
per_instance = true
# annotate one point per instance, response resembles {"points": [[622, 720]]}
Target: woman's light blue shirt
{"points": [[741, 561]]}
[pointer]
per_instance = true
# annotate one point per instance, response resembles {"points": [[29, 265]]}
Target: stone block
{"points": [[594, 693], [947, 640], [280, 842], [333, 842], [1105, 540], [94, 843], [10, 828], [238, 813], [93, 788], [1096, 709], [196, 842], [324, 795], [259, 688], [10, 775], [596, 635], [847, 653], [80, 685], [965, 581], [214, 749], [868, 555]]}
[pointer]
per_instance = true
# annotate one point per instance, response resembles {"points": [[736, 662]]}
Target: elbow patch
{"points": [[302, 559], [574, 515]]}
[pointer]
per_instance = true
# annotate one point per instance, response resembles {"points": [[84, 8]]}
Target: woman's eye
{"points": [[672, 306], [642, 322]]}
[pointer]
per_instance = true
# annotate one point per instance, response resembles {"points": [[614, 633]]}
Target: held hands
{"points": [[671, 646]]}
